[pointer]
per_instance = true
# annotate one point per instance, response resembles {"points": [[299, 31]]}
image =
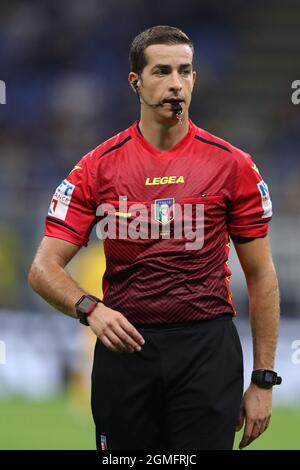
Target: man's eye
{"points": [[186, 72]]}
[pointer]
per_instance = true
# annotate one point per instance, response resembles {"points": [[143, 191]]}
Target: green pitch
{"points": [[60, 424], [57, 424]]}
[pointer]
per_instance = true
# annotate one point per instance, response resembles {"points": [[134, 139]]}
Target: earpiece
{"points": [[135, 85]]}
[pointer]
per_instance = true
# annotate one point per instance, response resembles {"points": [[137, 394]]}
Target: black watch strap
{"points": [[265, 378]]}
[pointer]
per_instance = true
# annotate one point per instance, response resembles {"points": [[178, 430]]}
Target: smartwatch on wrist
{"points": [[85, 306], [265, 378]]}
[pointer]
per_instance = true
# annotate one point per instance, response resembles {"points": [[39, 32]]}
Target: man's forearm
{"points": [[56, 286], [264, 314]]}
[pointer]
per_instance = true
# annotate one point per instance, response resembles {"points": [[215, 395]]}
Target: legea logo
{"points": [[2, 92]]}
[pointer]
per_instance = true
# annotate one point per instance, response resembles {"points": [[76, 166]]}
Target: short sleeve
{"points": [[251, 206], [72, 212]]}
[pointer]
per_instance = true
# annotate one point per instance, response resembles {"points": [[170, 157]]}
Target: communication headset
{"points": [[176, 107], [135, 86]]}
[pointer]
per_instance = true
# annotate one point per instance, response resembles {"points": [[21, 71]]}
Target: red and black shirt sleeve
{"points": [[72, 211], [251, 206]]}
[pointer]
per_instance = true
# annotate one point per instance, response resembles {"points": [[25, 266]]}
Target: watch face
{"points": [[269, 377], [85, 304]]}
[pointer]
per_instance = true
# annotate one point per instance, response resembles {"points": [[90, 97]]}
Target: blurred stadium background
{"points": [[65, 66]]}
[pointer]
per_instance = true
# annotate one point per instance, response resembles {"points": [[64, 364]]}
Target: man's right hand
{"points": [[114, 330]]}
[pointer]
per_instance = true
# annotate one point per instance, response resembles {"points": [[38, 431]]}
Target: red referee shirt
{"points": [[164, 279]]}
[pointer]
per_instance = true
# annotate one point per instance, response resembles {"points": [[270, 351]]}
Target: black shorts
{"points": [[181, 392]]}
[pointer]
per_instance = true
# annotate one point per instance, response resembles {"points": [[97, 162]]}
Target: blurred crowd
{"points": [[65, 65]]}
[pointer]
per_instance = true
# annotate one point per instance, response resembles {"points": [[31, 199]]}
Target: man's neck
{"points": [[163, 136]]}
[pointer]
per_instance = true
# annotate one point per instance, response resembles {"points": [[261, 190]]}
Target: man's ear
{"points": [[194, 77], [133, 81]]}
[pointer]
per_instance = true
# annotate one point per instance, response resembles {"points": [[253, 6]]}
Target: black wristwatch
{"points": [[85, 306], [265, 378]]}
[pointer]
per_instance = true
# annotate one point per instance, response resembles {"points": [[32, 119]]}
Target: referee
{"points": [[168, 365]]}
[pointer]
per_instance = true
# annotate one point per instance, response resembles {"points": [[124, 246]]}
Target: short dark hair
{"points": [[156, 35]]}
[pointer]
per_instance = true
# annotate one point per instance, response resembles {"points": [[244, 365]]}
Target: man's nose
{"points": [[175, 82]]}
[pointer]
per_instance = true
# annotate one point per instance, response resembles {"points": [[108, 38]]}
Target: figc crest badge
{"points": [[164, 210]]}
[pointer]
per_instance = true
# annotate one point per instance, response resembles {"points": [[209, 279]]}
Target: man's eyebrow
{"points": [[185, 66], [161, 66], [166, 66]]}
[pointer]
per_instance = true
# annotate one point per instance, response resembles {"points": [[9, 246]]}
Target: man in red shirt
{"points": [[167, 197]]}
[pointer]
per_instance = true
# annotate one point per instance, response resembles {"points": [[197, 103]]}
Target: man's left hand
{"points": [[255, 412]]}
